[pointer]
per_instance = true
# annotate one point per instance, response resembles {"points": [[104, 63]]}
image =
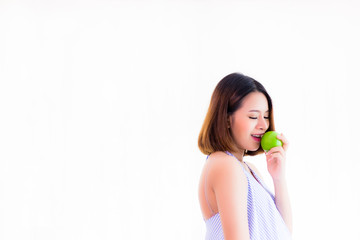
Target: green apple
{"points": [[269, 140]]}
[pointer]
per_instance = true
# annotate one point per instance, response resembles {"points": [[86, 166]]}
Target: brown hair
{"points": [[225, 100]]}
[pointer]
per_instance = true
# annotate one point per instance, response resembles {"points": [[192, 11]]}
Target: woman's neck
{"points": [[239, 155]]}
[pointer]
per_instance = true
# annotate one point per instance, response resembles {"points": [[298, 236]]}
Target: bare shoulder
{"points": [[222, 161], [230, 189], [218, 154], [224, 169]]}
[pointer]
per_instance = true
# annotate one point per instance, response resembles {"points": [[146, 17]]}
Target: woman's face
{"points": [[250, 121]]}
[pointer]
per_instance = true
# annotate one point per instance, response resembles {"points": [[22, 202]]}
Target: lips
{"points": [[257, 137]]}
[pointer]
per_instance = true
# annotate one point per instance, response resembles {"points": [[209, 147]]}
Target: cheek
{"points": [[268, 124], [245, 128]]}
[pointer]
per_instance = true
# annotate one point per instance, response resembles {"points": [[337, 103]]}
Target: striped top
{"points": [[264, 219]]}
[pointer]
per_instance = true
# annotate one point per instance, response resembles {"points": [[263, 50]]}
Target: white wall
{"points": [[101, 103]]}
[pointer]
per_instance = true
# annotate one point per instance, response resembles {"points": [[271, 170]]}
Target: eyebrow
{"points": [[257, 111]]}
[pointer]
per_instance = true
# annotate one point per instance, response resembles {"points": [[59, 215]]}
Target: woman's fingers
{"points": [[274, 156], [284, 141], [276, 150]]}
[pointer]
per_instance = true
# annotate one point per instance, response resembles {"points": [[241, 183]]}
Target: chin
{"points": [[253, 149]]}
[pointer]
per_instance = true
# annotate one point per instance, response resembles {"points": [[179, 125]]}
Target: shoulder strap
{"points": [[212, 212], [230, 154], [257, 178]]}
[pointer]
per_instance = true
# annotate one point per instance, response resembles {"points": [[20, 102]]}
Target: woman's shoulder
{"points": [[226, 175], [218, 155], [220, 159], [223, 165]]}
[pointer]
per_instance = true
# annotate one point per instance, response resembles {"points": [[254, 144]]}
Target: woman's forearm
{"points": [[282, 202]]}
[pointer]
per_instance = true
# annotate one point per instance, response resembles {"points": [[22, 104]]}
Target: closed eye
{"points": [[256, 117]]}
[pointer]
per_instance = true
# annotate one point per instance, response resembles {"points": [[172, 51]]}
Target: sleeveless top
{"points": [[264, 219]]}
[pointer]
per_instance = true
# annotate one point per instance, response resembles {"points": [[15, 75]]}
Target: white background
{"points": [[101, 104]]}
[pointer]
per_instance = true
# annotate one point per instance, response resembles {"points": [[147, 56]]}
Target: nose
{"points": [[262, 124]]}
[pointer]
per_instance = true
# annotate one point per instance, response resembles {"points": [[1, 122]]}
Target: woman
{"points": [[234, 200]]}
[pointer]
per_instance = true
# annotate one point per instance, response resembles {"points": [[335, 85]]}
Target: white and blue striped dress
{"points": [[264, 219]]}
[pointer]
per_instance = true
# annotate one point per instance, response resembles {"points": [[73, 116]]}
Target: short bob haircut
{"points": [[226, 99]]}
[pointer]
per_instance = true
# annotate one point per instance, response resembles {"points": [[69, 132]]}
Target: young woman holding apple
{"points": [[234, 200]]}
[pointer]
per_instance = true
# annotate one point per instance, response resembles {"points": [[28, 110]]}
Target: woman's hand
{"points": [[276, 159]]}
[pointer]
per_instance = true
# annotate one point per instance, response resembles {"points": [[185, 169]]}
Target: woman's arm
{"points": [[230, 188], [282, 202], [276, 165]]}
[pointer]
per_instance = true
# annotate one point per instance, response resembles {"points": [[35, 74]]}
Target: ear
{"points": [[229, 121]]}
